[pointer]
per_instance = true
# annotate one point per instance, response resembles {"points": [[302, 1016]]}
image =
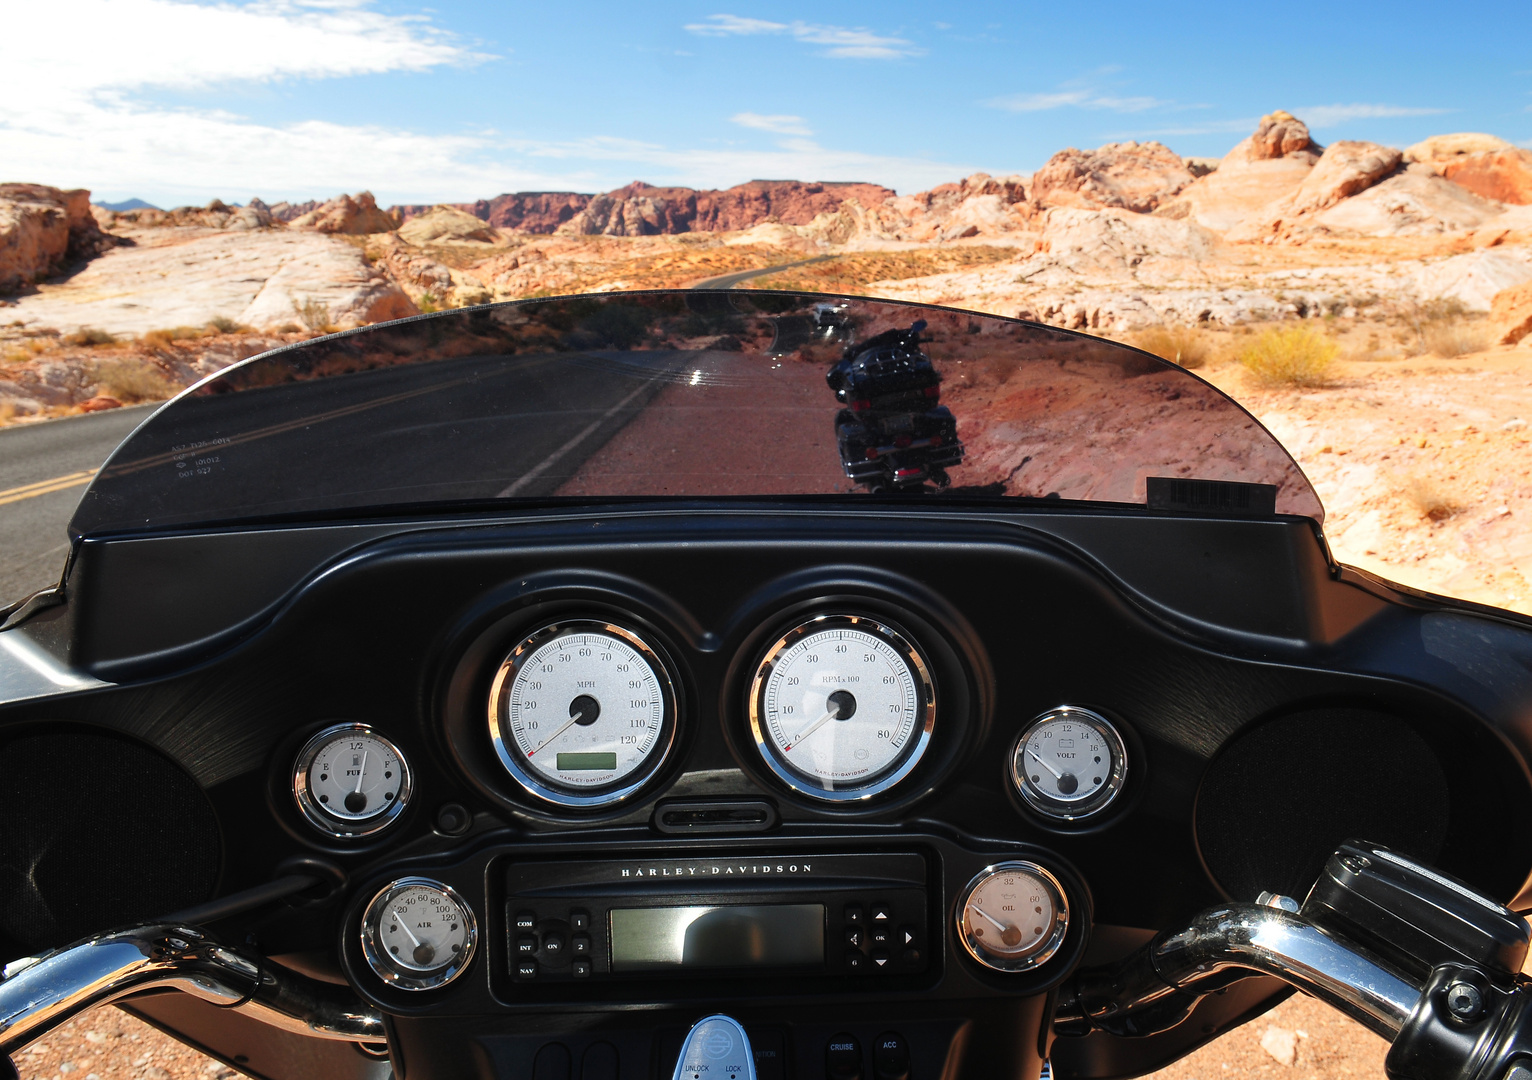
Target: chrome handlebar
{"points": [[39, 994]]}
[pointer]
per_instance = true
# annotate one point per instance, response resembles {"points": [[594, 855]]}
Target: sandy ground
{"points": [[1307, 1040]]}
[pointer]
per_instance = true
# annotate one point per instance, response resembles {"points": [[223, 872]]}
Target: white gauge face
{"points": [[842, 706], [1014, 916], [1069, 763], [581, 708], [418, 933], [351, 781]]}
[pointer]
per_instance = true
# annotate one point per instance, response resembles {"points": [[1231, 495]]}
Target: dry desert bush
{"points": [[1184, 345], [89, 335], [132, 380], [1298, 356]]}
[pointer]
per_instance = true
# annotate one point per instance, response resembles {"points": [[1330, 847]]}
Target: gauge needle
{"points": [[998, 925], [1056, 774], [573, 720], [401, 925], [815, 726], [361, 774]]}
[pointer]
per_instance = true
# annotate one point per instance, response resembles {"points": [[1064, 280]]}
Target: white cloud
{"points": [[781, 125], [845, 43], [1327, 116], [1077, 99]]}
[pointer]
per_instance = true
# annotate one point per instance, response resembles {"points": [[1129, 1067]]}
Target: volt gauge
{"points": [[1069, 764], [418, 934], [582, 713], [350, 781]]}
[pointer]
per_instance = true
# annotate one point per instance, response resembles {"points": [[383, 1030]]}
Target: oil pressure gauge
{"points": [[1069, 764], [418, 934], [350, 781], [1013, 916]]}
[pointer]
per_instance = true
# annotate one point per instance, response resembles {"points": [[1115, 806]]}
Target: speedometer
{"points": [[582, 713], [842, 707]]}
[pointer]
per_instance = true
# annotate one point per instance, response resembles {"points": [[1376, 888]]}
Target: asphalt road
{"points": [[43, 471], [728, 281]]}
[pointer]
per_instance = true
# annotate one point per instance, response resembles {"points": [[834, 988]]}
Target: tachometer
{"points": [[842, 707], [582, 713]]}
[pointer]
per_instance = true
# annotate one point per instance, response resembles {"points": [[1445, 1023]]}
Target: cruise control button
{"points": [[526, 969], [581, 969], [579, 945], [526, 945], [843, 1058]]}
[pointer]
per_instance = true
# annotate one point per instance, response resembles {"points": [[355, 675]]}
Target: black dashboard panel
{"points": [[1189, 633]]}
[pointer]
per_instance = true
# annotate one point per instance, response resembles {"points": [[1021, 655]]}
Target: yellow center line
{"points": [[45, 487]]}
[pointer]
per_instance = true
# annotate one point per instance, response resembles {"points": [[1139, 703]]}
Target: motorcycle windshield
{"points": [[687, 394]]}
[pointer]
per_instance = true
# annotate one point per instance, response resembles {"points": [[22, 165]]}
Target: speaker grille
{"points": [[98, 832], [1281, 798]]}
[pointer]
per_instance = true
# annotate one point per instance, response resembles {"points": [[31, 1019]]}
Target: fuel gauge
{"points": [[350, 781]]}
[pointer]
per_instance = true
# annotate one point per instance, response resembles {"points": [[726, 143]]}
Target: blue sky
{"points": [[179, 102]]}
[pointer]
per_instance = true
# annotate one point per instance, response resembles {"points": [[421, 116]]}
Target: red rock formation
{"points": [[1503, 175], [1510, 314], [353, 217], [1277, 135], [42, 230], [1130, 175]]}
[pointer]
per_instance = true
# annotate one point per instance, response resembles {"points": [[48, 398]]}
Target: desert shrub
{"points": [[1184, 345], [1434, 502], [1290, 356], [89, 335], [314, 315], [289, 328], [161, 338], [132, 380], [429, 302], [222, 324], [1455, 338]]}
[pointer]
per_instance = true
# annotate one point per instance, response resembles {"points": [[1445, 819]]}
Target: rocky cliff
{"points": [[43, 230]]}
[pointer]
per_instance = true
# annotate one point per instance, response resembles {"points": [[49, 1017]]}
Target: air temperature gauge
{"points": [[418, 934]]}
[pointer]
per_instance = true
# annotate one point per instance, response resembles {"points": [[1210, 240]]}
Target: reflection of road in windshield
{"points": [[728, 424]]}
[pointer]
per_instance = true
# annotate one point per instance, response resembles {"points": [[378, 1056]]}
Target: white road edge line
{"points": [[586, 432]]}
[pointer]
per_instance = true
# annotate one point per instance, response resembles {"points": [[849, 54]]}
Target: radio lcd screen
{"points": [[740, 935]]}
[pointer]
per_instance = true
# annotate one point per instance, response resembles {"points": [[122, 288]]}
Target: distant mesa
{"points": [[129, 204]]}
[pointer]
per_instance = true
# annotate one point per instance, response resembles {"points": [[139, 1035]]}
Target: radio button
{"points": [[579, 921], [855, 937], [853, 914], [579, 945], [856, 961], [526, 945], [526, 969], [581, 969]]}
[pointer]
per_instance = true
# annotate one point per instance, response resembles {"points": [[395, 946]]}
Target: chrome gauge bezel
{"points": [[315, 813], [377, 956], [902, 766], [1082, 809], [1051, 944], [510, 754]]}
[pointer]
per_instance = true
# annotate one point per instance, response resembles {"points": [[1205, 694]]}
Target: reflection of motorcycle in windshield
{"points": [[893, 435]]}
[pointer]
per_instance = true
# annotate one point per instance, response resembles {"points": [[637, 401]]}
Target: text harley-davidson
{"points": [[745, 684]]}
